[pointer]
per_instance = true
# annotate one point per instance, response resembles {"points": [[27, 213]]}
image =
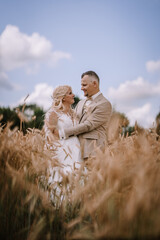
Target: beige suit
{"points": [[93, 123]]}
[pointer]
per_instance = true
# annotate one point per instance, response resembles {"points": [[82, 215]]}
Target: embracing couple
{"points": [[81, 130]]}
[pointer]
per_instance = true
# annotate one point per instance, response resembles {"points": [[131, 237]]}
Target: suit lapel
{"points": [[80, 109], [82, 114], [94, 102]]}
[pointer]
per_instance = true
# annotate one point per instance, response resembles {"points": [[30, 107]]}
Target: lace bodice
{"points": [[64, 121]]}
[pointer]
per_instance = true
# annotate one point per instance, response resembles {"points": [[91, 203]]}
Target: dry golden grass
{"points": [[116, 196]]}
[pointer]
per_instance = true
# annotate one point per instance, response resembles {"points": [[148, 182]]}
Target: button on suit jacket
{"points": [[92, 125]]}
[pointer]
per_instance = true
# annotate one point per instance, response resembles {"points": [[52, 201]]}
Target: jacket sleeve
{"points": [[100, 115]]}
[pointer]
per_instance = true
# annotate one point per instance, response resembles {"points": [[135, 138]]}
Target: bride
{"points": [[58, 117]]}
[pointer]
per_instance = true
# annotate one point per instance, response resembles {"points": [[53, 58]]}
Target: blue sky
{"points": [[48, 43]]}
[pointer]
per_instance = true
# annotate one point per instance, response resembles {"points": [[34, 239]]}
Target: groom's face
{"points": [[87, 86]]}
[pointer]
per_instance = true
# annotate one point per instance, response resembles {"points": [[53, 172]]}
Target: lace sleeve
{"points": [[50, 125], [51, 119]]}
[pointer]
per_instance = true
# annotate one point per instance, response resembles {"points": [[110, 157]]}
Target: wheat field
{"points": [[116, 196]]}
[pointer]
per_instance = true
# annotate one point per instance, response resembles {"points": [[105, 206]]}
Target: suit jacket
{"points": [[92, 125]]}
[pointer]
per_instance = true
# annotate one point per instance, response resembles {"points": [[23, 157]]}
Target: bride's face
{"points": [[69, 97]]}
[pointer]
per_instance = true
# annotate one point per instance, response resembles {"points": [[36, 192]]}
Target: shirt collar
{"points": [[96, 95]]}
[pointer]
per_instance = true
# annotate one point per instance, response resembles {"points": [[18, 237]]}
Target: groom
{"points": [[93, 115]]}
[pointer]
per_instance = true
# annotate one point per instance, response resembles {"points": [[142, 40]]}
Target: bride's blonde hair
{"points": [[58, 95]]}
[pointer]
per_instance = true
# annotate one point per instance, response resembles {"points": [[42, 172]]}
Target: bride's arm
{"points": [[51, 124]]}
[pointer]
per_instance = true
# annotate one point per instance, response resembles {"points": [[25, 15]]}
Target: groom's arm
{"points": [[98, 117]]}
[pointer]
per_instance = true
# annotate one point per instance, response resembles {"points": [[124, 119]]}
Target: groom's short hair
{"points": [[92, 74]]}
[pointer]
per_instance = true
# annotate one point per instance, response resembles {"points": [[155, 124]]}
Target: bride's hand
{"points": [[53, 136], [56, 133]]}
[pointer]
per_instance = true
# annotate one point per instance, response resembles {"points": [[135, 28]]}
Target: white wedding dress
{"points": [[67, 151]]}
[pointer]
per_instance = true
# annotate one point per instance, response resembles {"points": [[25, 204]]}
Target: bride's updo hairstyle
{"points": [[58, 95]]}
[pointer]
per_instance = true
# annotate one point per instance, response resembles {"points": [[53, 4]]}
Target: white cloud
{"points": [[58, 55], [142, 115], [153, 66], [131, 91], [40, 96], [18, 50], [134, 98]]}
